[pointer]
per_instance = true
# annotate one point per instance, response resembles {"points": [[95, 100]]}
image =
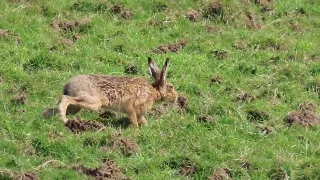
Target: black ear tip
{"points": [[167, 60], [149, 59]]}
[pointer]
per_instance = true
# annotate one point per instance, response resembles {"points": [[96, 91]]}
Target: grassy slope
{"points": [[278, 78]]}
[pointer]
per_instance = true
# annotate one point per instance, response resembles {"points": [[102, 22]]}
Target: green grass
{"points": [[274, 64]]}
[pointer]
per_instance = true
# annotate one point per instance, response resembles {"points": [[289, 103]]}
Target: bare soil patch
{"points": [[183, 102], [161, 7], [245, 164], [313, 57], [69, 26], [216, 79], [108, 170], [90, 6], [240, 45], [79, 125], [187, 168], [220, 54], [7, 35], [28, 175], [192, 15], [257, 115], [206, 118], [115, 9], [159, 110], [245, 97], [221, 174], [131, 69], [303, 118], [266, 129], [304, 115], [126, 13], [252, 21], [174, 47], [213, 9], [125, 145]]}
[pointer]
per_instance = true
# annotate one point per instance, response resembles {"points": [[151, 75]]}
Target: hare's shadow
{"points": [[114, 120]]}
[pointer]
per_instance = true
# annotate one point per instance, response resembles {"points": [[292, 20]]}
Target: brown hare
{"points": [[131, 95]]}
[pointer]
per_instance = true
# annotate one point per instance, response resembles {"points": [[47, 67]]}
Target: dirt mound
{"points": [[7, 35], [115, 9], [251, 21], [79, 125], [245, 164], [257, 115], [245, 97], [265, 129], [28, 176], [214, 9], [220, 54], [7, 174], [118, 9], [175, 47], [205, 118], [221, 174], [216, 79], [192, 15], [126, 13], [123, 144], [304, 115], [182, 102], [108, 170], [159, 110], [69, 26], [303, 118], [187, 168], [89, 6]]}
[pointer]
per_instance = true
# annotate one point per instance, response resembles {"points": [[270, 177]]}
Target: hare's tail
{"points": [[49, 112]]}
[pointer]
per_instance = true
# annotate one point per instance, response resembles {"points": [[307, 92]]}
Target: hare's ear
{"points": [[164, 73], [154, 70]]}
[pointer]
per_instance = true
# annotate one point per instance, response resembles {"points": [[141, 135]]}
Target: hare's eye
{"points": [[169, 86]]}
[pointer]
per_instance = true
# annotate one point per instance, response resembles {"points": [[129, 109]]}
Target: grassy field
{"points": [[243, 67]]}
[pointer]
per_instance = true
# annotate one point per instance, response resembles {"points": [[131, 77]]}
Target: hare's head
{"points": [[165, 88]]}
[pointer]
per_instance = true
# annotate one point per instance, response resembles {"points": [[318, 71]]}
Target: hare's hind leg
{"points": [[142, 119], [132, 116], [86, 102]]}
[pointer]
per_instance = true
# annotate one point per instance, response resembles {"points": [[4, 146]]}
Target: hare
{"points": [[126, 94]]}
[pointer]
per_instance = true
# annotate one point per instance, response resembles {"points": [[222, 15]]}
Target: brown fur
{"points": [[131, 95]]}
